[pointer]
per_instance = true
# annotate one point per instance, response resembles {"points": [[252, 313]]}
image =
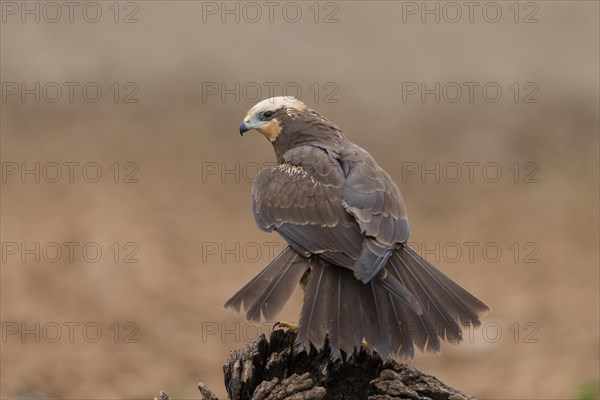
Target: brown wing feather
{"points": [[302, 200]]}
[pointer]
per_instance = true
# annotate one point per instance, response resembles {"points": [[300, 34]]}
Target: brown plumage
{"points": [[346, 226]]}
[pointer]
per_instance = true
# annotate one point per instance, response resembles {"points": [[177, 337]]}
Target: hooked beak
{"points": [[244, 127]]}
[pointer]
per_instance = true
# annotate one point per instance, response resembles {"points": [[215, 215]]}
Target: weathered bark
{"points": [[276, 370]]}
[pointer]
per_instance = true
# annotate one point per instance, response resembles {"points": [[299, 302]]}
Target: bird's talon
{"points": [[286, 325]]}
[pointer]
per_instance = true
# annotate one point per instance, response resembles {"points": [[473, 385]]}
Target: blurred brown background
{"points": [[180, 205]]}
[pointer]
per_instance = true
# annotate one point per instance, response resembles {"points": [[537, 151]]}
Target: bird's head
{"points": [[268, 116]]}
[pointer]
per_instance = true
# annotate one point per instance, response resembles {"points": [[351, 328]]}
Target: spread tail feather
{"points": [[338, 305], [445, 304], [267, 292], [412, 304]]}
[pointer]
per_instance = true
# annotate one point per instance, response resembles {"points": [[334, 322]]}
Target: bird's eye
{"points": [[268, 114]]}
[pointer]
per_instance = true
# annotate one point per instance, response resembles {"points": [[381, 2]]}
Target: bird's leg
{"points": [[286, 325]]}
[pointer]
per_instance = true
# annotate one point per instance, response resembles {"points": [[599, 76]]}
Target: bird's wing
{"points": [[372, 197], [375, 201], [345, 208], [302, 200]]}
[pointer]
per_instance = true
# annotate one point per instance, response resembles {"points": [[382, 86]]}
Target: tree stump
{"points": [[277, 370]]}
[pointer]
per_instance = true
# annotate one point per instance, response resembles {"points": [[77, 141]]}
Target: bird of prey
{"points": [[346, 228]]}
